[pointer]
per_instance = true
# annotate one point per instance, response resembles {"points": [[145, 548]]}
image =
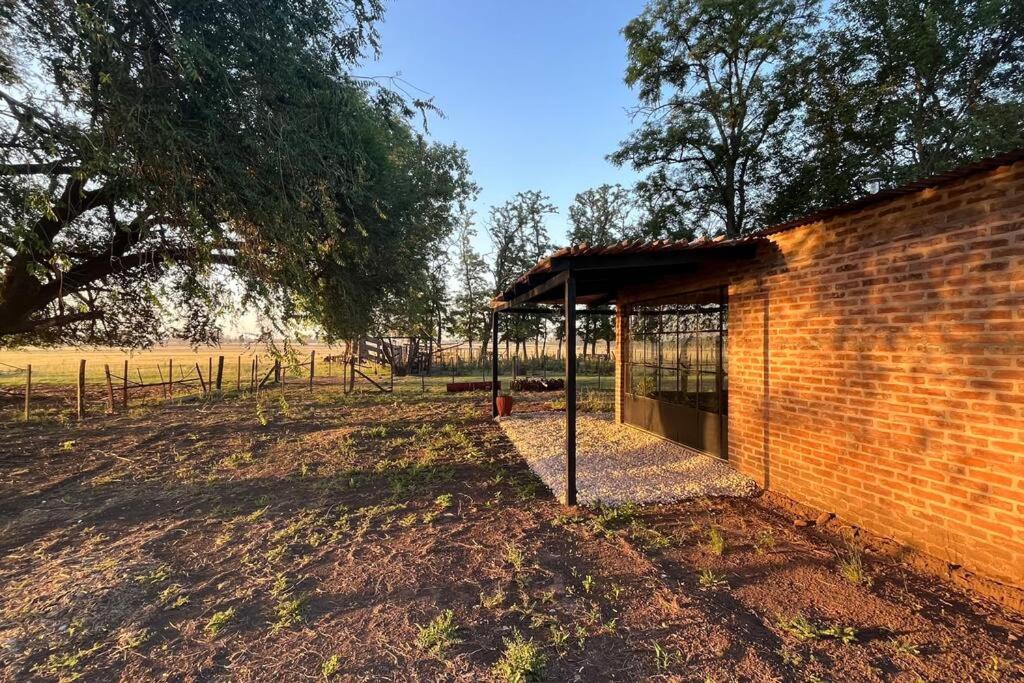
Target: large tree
{"points": [[154, 151], [519, 238], [715, 80], [901, 89], [470, 320], [601, 215]]}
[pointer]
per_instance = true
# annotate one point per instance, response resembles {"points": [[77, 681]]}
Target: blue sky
{"points": [[533, 90]]}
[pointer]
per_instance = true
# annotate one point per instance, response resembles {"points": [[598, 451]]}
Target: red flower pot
{"points": [[504, 406]]}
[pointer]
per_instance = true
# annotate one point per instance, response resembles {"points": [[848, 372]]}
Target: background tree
{"points": [[657, 215], [716, 86], [153, 150], [470, 319], [519, 236], [901, 90], [600, 215]]}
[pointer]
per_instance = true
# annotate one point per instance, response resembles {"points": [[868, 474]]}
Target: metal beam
{"points": [[550, 313], [581, 264], [494, 364], [570, 389], [526, 296]]}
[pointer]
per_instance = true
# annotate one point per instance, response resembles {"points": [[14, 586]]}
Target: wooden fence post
{"points": [[124, 386], [220, 370], [209, 372], [81, 389], [28, 389], [170, 379], [201, 382], [110, 389], [312, 367], [163, 387], [277, 370]]}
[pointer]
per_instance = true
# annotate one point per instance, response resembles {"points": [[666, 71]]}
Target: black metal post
{"points": [[570, 389], [723, 441], [494, 364]]}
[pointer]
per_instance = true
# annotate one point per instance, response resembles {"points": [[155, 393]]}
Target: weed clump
{"points": [[716, 541], [331, 666], [803, 629], [218, 621], [708, 579], [289, 613], [521, 661], [440, 634], [851, 563]]}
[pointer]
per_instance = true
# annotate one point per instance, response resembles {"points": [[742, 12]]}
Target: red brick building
{"points": [[867, 360]]}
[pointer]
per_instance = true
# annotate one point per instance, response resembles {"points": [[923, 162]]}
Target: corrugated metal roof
{"points": [[624, 248], [636, 247]]}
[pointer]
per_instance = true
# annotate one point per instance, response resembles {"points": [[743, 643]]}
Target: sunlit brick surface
{"points": [[877, 369]]}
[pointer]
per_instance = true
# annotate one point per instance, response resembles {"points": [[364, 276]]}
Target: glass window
{"points": [[677, 351]]}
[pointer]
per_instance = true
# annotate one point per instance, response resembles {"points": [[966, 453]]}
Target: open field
{"points": [[312, 536], [55, 374], [60, 366]]}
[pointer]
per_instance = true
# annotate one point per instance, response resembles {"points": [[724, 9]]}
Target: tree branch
{"points": [[42, 168]]}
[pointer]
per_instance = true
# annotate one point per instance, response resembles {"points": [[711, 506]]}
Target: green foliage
{"points": [[377, 431], [664, 658], [708, 579], [601, 215], [153, 148], [519, 238], [716, 83], [288, 613], [440, 634], [469, 314], [514, 556], [521, 660], [900, 90], [765, 542], [331, 666], [803, 629], [851, 563], [218, 621], [716, 541]]}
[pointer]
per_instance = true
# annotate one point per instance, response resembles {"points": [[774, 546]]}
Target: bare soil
{"points": [[305, 536]]}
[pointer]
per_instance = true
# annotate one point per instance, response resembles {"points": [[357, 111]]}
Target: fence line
{"points": [[189, 378]]}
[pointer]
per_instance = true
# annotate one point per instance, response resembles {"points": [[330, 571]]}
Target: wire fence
{"points": [[126, 382]]}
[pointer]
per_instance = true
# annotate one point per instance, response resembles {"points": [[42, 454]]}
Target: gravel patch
{"points": [[616, 463]]}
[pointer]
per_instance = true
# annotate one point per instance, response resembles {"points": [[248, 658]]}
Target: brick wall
{"points": [[877, 369]]}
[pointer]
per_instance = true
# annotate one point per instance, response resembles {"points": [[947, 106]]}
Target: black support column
{"points": [[570, 389], [494, 364]]}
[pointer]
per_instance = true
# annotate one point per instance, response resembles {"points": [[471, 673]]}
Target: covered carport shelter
{"points": [[594, 277]]}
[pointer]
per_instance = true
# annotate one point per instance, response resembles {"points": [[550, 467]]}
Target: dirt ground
{"points": [[315, 536]]}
